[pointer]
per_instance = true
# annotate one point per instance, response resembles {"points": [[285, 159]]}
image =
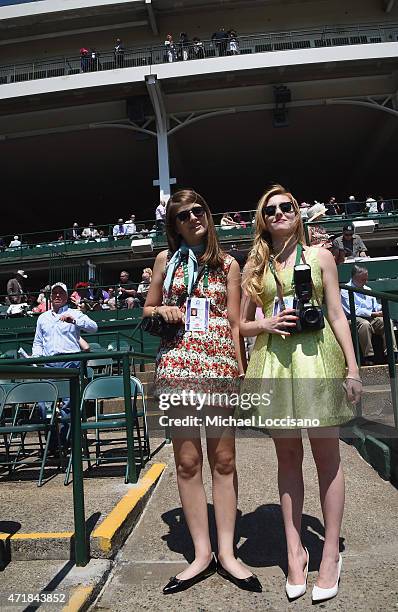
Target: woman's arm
{"points": [[336, 317], [233, 301], [154, 299]]}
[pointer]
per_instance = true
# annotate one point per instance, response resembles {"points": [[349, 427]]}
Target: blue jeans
{"points": [[65, 409]]}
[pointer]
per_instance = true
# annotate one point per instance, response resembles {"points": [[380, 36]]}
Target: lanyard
{"points": [[205, 277]]}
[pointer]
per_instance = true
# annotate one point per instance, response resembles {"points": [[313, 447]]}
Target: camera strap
{"points": [[279, 287], [203, 269]]}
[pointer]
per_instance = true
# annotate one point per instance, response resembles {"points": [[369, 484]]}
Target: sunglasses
{"points": [[284, 207], [184, 215]]}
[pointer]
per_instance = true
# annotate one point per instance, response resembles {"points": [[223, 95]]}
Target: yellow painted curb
{"points": [[36, 536], [110, 525], [78, 598]]}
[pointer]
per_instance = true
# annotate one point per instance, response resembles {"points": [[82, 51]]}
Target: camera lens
{"points": [[311, 316]]}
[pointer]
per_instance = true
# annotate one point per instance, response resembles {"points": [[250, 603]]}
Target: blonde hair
{"points": [[262, 251]]}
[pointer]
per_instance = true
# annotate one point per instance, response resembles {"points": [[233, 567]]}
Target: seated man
{"points": [[119, 230], [350, 242], [369, 316], [126, 291], [57, 333]]}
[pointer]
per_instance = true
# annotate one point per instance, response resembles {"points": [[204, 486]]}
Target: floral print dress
{"points": [[193, 357]]}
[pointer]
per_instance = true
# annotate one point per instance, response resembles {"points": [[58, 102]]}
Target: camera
{"points": [[157, 326], [310, 317]]}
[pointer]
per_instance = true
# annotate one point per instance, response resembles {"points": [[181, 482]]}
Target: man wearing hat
{"points": [[58, 333], [15, 290], [351, 243]]}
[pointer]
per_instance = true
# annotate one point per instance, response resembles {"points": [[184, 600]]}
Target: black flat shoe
{"points": [[175, 585], [251, 583]]}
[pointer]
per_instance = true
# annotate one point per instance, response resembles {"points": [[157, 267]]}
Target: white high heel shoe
{"points": [[320, 594], [293, 591]]}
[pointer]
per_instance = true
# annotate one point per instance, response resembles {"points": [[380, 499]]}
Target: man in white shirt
{"points": [[371, 205], [131, 227], [160, 214], [16, 242], [58, 333], [369, 316], [90, 232], [119, 230]]}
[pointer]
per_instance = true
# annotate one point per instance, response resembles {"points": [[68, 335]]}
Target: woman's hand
{"points": [[281, 323], [353, 389], [171, 314]]}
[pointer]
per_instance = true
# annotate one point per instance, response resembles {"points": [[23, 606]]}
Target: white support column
{"points": [[156, 96]]}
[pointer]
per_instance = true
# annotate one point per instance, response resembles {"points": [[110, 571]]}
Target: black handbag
{"points": [[157, 326]]}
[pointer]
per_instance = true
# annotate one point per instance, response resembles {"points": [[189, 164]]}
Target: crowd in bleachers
{"points": [[85, 296]]}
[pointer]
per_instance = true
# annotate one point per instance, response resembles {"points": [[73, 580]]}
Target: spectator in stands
{"points": [[160, 215], [131, 227], [332, 206], [120, 229], [198, 48], [233, 43], [183, 45], [317, 234], [125, 292], [371, 205], [383, 205], [94, 60], [220, 41], [171, 50], [350, 242], [238, 219], [15, 288], [110, 300], [90, 232], [58, 332], [43, 300], [2, 245], [353, 207], [143, 287], [15, 242], [369, 316], [304, 210], [84, 59], [79, 294], [74, 232], [118, 52], [227, 221]]}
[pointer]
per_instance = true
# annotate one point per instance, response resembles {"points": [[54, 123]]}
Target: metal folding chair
{"points": [[22, 421], [111, 387]]}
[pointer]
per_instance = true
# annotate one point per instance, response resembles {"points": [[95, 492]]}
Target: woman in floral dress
{"points": [[204, 349]]}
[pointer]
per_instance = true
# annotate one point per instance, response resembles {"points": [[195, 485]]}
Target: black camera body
{"points": [[310, 317], [157, 326]]}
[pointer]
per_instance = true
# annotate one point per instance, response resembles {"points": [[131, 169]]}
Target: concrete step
{"points": [[375, 375]]}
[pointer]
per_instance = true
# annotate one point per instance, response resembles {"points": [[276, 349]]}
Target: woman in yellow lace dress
{"points": [[303, 374]]}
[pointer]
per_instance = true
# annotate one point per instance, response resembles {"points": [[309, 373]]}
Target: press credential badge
{"points": [[197, 315]]}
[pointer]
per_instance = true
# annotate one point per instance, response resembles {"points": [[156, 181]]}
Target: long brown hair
{"points": [[213, 255], [262, 250]]}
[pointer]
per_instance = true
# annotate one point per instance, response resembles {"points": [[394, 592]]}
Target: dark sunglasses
{"points": [[284, 207], [184, 215]]}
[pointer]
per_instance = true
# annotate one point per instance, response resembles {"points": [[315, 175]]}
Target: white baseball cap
{"points": [[22, 273], [62, 285]]}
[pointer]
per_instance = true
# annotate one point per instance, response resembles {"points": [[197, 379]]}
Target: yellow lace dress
{"points": [[295, 381]]}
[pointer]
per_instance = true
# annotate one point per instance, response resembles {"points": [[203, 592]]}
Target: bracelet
{"points": [[354, 378], [154, 311]]}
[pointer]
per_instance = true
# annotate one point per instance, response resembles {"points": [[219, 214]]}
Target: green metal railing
{"points": [[23, 369], [384, 298]]}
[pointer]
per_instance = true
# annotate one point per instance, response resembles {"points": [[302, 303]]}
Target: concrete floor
{"points": [[160, 545]]}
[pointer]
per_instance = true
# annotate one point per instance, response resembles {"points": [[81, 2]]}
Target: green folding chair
{"points": [[23, 422], [101, 367], [111, 387]]}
